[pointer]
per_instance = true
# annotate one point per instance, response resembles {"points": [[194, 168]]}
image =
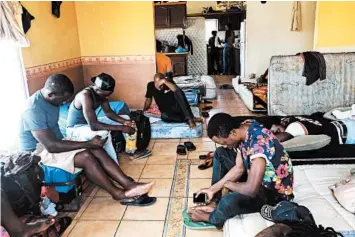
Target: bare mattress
{"points": [[311, 189]]}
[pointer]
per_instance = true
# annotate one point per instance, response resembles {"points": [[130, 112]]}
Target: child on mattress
{"points": [[171, 101], [341, 131]]}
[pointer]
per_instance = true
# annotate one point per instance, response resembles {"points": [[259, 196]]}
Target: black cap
{"points": [[104, 81]]}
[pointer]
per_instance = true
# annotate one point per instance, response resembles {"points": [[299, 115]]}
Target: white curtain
{"points": [[13, 94], [11, 24]]}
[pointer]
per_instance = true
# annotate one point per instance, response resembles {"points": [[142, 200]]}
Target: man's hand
{"points": [[98, 142], [209, 192], [128, 129], [130, 123]]}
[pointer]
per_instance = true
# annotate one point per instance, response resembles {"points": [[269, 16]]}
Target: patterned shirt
{"points": [[261, 143]]}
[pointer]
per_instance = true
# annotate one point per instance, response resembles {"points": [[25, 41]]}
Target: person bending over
{"points": [[39, 126], [83, 123], [251, 164], [171, 101], [341, 132]]}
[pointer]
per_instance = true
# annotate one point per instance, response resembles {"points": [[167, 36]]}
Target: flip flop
{"points": [[207, 108], [205, 114], [190, 146], [141, 201], [207, 164], [204, 157], [142, 155], [188, 223], [181, 150]]}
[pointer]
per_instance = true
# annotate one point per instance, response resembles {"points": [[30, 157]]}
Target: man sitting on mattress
{"points": [[171, 101], [251, 164], [39, 126], [83, 123], [341, 131]]}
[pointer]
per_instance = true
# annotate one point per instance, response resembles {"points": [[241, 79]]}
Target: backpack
{"points": [[118, 141], [21, 182], [143, 129]]}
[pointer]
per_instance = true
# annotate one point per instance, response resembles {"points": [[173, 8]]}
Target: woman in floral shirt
{"points": [[251, 164]]}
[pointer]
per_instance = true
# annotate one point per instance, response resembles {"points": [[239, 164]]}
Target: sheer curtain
{"points": [[13, 94]]}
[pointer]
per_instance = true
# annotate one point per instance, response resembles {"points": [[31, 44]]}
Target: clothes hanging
{"points": [[56, 8], [26, 19], [296, 24], [314, 67], [184, 41]]}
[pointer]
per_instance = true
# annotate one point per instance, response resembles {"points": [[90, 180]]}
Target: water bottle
{"points": [[48, 207], [131, 143]]}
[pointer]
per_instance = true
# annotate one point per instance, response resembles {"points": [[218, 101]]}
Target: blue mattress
{"points": [[162, 129]]}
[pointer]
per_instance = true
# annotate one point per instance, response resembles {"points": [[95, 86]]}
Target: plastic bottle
{"points": [[48, 207], [131, 143]]}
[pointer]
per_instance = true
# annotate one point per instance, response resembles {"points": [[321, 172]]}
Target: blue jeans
{"points": [[235, 203]]}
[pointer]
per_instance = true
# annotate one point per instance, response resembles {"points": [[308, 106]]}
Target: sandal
{"points": [[207, 108], [140, 201], [205, 114], [190, 146], [204, 157], [188, 223], [181, 150], [207, 164]]}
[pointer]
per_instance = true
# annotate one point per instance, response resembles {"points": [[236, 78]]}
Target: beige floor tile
{"points": [[102, 193], [162, 160], [205, 146], [165, 148], [69, 229], [151, 144], [155, 212], [195, 173], [161, 188], [103, 208], [204, 233], [182, 157], [197, 184], [127, 160], [134, 171], [140, 228], [177, 140], [94, 229], [158, 172]]}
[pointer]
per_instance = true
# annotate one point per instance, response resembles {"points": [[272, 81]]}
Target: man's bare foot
{"points": [[192, 123], [139, 189], [198, 215], [37, 227], [207, 209]]}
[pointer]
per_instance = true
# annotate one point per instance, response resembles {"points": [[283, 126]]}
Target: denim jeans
{"points": [[235, 203]]}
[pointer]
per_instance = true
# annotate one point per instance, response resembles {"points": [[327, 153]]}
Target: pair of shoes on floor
{"points": [[208, 161], [181, 149]]}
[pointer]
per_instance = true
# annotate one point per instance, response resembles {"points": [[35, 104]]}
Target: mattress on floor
{"points": [[311, 190], [191, 82], [211, 87], [162, 129], [288, 93], [247, 96]]}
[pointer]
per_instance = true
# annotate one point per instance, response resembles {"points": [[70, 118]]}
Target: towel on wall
{"points": [[314, 67], [296, 17]]}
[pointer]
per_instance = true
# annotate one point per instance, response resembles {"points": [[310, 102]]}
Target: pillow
{"points": [[306, 143], [344, 192]]}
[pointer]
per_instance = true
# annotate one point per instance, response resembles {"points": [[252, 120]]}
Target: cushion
{"points": [[344, 192], [306, 143]]}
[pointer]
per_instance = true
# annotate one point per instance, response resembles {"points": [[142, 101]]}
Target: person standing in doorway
{"points": [[214, 42], [228, 49]]}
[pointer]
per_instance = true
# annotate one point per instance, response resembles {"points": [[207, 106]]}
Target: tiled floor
{"points": [[177, 177]]}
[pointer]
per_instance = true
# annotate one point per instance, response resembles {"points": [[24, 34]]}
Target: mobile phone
{"points": [[202, 198]]}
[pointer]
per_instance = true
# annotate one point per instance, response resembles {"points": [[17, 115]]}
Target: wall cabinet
{"points": [[170, 15], [179, 62]]}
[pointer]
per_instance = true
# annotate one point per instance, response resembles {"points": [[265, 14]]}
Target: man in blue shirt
{"points": [[39, 125]]}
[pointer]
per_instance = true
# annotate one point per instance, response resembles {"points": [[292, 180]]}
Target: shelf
{"points": [[214, 14], [170, 4]]}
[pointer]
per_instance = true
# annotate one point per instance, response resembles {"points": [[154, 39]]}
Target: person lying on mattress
{"points": [[341, 131], [83, 123], [39, 126], [171, 101], [251, 165]]}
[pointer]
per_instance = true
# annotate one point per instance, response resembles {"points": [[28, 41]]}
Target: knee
{"points": [[88, 157]]}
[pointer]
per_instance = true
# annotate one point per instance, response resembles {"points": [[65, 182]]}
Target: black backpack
{"points": [[143, 129], [21, 182]]}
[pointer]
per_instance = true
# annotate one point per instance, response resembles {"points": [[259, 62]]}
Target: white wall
{"points": [[268, 32]]}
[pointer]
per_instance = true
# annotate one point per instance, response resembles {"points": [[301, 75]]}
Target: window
{"points": [[210, 25], [13, 94]]}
